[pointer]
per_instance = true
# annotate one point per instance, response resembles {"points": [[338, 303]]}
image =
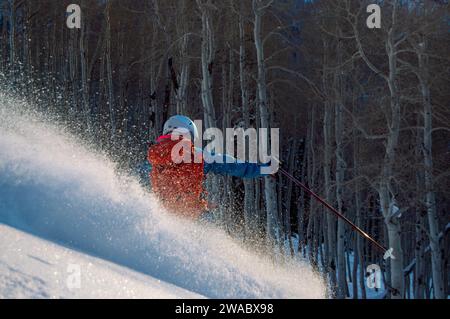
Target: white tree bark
{"points": [[339, 175], [311, 166], [327, 155], [430, 197], [270, 193], [111, 98], [250, 213], [419, 251], [73, 67], [183, 82], [207, 57], [4, 42], [84, 77], [12, 32], [393, 116], [184, 78], [387, 200], [359, 258], [287, 223], [340, 169]]}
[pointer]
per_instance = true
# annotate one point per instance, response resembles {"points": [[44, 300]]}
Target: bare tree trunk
{"points": [[301, 206], [184, 78], [331, 220], [310, 240], [420, 226], [340, 175], [207, 57], [4, 43], [111, 98], [73, 67], [419, 267], [155, 113], [359, 249], [12, 33], [340, 167], [84, 77], [430, 197], [287, 223], [250, 213], [387, 198], [330, 235], [387, 201], [270, 193]]}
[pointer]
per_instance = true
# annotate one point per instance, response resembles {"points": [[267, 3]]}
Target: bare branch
{"points": [[303, 77]]}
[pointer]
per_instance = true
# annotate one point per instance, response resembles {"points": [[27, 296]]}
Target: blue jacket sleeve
{"points": [[233, 167]]}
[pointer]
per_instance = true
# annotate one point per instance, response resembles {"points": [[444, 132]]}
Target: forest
{"points": [[364, 115]]}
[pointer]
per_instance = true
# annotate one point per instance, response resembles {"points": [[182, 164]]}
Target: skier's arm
{"points": [[228, 165]]}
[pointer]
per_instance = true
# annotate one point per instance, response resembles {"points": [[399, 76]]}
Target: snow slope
{"points": [[34, 268], [53, 187]]}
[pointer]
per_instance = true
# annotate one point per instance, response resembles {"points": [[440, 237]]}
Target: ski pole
{"points": [[387, 252]]}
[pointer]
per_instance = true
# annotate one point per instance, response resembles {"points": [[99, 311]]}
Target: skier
{"points": [[179, 187]]}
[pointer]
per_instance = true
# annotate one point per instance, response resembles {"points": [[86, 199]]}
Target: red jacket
{"points": [[179, 187]]}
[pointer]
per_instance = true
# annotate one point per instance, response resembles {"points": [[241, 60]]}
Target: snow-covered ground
{"points": [[34, 268], [53, 187]]}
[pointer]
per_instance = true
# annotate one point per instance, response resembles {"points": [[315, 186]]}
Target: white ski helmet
{"points": [[180, 122]]}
